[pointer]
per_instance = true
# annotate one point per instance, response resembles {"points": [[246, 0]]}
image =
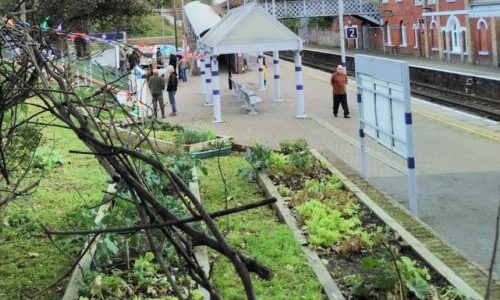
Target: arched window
{"points": [[415, 35], [455, 34], [388, 33], [482, 31], [434, 34], [402, 34]]}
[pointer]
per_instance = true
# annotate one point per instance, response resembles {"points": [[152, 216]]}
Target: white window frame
{"points": [[455, 30], [388, 32], [415, 35], [431, 2], [419, 2], [404, 35], [482, 21], [385, 1]]}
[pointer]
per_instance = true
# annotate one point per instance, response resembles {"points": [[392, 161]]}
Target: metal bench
{"points": [[247, 95]]}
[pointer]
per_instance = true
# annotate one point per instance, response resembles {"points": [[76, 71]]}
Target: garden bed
{"points": [[167, 138], [257, 233], [360, 246]]}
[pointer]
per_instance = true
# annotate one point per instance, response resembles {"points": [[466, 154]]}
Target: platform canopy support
{"points": [[260, 58], [216, 90], [299, 87], [208, 80], [276, 77]]}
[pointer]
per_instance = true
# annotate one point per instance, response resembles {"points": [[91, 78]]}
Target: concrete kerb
{"points": [[284, 214], [83, 266], [416, 245], [200, 252]]}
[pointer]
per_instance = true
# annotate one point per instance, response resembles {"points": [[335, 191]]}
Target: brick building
{"points": [[441, 29]]}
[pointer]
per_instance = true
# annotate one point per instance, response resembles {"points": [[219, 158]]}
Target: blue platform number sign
{"points": [[352, 32]]}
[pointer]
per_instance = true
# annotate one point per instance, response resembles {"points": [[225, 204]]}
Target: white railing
{"points": [[317, 8]]}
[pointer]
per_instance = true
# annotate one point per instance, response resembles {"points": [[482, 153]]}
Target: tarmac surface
{"points": [[457, 154]]}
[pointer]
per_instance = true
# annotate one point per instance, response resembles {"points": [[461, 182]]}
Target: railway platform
{"points": [[457, 161], [422, 62]]}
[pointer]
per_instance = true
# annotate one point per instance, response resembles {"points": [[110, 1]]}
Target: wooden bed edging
{"points": [[284, 214], [71, 292]]}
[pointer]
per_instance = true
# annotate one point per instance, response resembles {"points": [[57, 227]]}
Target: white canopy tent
{"points": [[200, 18], [246, 29]]}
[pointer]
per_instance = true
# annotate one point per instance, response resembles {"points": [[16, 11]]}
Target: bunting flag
{"points": [[45, 24], [59, 27]]}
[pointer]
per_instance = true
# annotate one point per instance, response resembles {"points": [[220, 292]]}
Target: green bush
{"points": [[188, 136], [292, 146]]}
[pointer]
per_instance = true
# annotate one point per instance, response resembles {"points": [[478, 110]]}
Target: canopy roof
{"points": [[202, 17], [486, 9], [250, 28]]}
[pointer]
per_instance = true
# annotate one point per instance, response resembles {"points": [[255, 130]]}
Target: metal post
{"points": [[261, 71], [203, 75], [216, 90], [117, 56], [341, 29], [361, 118], [410, 154], [162, 24], [277, 80], [175, 28], [299, 88], [274, 8], [208, 79]]}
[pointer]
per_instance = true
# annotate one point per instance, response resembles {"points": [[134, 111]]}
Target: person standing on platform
{"points": [[339, 83], [172, 82], [266, 71], [123, 59], [156, 85], [182, 68], [172, 61]]}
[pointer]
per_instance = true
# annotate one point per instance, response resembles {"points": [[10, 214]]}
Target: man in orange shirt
{"points": [[339, 82]]}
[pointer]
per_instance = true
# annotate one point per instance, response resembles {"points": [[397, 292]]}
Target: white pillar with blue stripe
{"points": [[208, 80], [216, 90], [203, 75], [299, 88], [276, 77], [260, 58], [362, 145]]}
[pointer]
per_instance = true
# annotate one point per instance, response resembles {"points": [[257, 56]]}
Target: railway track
{"points": [[486, 107]]}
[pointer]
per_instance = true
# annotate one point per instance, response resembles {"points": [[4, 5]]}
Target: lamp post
{"points": [[175, 28]]}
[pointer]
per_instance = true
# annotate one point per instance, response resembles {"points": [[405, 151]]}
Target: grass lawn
{"points": [[258, 234], [28, 260], [154, 27]]}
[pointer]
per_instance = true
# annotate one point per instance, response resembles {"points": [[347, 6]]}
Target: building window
{"points": [[385, 1], [418, 2], [431, 2], [445, 40], [402, 34], [482, 31], [388, 33], [455, 34], [434, 35], [415, 35]]}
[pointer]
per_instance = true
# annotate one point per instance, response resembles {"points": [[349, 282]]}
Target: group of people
{"points": [[157, 85]]}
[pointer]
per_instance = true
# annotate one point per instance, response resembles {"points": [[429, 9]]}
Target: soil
{"points": [[341, 264], [295, 182]]}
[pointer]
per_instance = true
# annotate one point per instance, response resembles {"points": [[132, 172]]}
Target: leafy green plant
{"points": [[326, 226], [259, 158], [182, 165], [47, 158], [188, 136], [383, 278], [298, 145], [302, 161], [415, 279]]}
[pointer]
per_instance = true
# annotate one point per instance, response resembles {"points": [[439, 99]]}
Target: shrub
{"points": [[298, 145], [194, 136]]}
